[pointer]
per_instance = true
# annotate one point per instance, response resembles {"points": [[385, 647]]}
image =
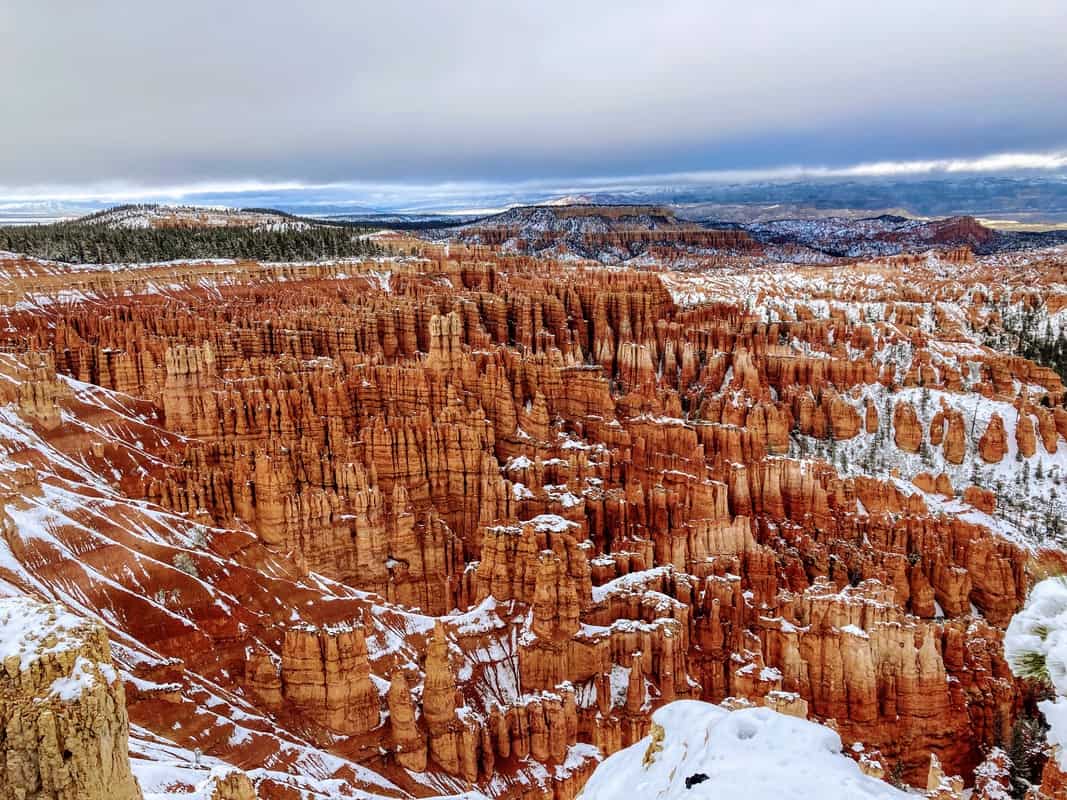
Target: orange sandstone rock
{"points": [[993, 445], [907, 432]]}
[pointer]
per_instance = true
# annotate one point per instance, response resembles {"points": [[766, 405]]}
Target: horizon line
{"points": [[391, 192]]}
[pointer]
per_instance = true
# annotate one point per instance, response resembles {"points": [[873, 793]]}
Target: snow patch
{"points": [[700, 751]]}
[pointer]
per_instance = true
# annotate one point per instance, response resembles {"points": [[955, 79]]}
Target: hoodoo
{"points": [[469, 519]]}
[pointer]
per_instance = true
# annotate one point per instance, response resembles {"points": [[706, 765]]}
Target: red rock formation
{"points": [[439, 705], [1024, 435], [870, 416], [907, 432], [38, 391], [844, 419], [1053, 782], [982, 499], [578, 485], [188, 405], [955, 446], [408, 741], [993, 444], [326, 674]]}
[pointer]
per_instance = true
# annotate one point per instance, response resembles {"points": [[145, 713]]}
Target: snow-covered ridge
{"points": [[168, 216]]}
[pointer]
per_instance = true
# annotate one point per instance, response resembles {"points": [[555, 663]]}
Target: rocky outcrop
{"points": [[326, 674], [188, 405], [982, 499], [1025, 439], [63, 725], [948, 430], [993, 444], [439, 705], [844, 420], [907, 432], [39, 390], [231, 784], [408, 740], [940, 786]]}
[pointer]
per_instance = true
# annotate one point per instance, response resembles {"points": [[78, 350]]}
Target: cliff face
{"points": [[468, 519], [63, 725]]}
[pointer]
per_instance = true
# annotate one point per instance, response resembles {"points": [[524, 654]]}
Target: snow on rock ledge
{"points": [[63, 726], [753, 753]]}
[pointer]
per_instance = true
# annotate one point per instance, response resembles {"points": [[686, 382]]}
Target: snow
{"points": [[994, 769], [1055, 712], [551, 523], [166, 771], [753, 753], [520, 492], [28, 628], [770, 674], [517, 463], [1041, 627], [82, 677], [1038, 634]]}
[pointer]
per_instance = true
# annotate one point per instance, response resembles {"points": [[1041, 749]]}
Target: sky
{"points": [[138, 101]]}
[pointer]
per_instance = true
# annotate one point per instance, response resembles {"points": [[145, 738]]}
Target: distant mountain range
{"points": [[624, 233], [1000, 200], [610, 233]]}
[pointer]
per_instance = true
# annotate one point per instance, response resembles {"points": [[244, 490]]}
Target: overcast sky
{"points": [[139, 94]]}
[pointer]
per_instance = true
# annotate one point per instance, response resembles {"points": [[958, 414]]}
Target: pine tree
{"points": [[85, 241], [896, 777], [1027, 753]]}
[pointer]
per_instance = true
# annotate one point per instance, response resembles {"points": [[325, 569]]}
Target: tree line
{"points": [[80, 242]]}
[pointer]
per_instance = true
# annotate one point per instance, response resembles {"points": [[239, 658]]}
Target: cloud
{"points": [[326, 93], [1003, 162], [989, 164], [446, 195]]}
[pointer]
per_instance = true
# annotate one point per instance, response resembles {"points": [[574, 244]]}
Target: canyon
{"points": [[459, 519]]}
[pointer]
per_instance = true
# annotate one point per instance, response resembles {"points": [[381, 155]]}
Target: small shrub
{"points": [[185, 563]]}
